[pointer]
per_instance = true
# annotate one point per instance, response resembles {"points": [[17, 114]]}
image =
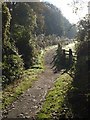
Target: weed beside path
{"points": [[18, 87], [30, 102], [54, 105]]}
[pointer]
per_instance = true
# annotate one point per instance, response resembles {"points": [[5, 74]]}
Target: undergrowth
{"points": [[54, 104], [18, 87]]}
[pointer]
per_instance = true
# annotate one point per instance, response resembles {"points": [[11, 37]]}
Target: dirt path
{"points": [[29, 103]]}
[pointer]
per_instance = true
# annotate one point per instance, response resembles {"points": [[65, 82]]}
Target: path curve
{"points": [[29, 103]]}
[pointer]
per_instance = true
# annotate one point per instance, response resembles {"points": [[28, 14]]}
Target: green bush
{"points": [[12, 68], [12, 63]]}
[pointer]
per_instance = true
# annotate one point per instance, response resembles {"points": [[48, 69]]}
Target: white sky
{"points": [[67, 6]]}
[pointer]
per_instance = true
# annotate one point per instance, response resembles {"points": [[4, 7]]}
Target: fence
{"points": [[71, 56]]}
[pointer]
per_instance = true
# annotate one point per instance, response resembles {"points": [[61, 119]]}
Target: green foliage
{"points": [[26, 45], [22, 14], [53, 20], [62, 60], [12, 68], [39, 9], [83, 30], [81, 72], [22, 27], [23, 24], [6, 17], [11, 92], [83, 48], [69, 30], [56, 23], [54, 106], [50, 20], [45, 41], [58, 58], [17, 88], [12, 63], [79, 95]]}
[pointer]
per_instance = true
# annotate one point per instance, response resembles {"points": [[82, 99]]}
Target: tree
{"points": [[23, 25], [82, 72], [12, 62]]}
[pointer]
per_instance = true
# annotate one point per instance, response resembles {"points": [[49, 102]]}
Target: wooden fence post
{"points": [[64, 58], [70, 57]]}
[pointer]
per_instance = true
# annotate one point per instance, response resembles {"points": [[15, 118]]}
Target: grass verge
{"points": [[55, 99], [14, 90]]}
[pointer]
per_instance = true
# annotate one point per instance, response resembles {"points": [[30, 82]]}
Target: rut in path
{"points": [[29, 103]]}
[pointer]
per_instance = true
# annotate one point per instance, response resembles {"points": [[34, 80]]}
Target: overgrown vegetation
{"points": [[79, 95], [19, 86], [12, 62], [76, 100], [27, 28], [54, 106], [63, 60]]}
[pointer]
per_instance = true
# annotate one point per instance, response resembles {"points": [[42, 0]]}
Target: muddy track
{"points": [[29, 103]]}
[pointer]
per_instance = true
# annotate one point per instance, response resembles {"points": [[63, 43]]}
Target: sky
{"points": [[67, 7]]}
